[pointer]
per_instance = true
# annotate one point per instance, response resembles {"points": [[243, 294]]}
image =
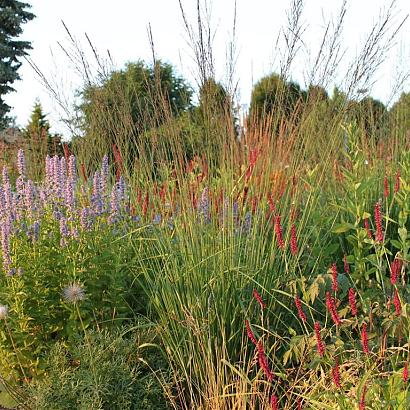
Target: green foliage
{"points": [[13, 14], [102, 371]]}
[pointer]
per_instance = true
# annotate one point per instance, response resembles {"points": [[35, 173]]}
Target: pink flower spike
{"points": [[335, 284], [274, 402], [258, 297], [365, 340], [319, 344], [301, 313], [406, 372], [249, 332]]}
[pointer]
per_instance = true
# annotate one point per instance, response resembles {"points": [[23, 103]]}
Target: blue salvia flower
{"points": [[29, 198], [96, 199], [5, 231], [104, 174], [85, 219], [203, 206], [36, 231], [21, 163], [64, 232], [72, 168]]}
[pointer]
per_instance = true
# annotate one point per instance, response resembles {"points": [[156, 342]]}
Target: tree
{"points": [[272, 94], [400, 116], [13, 14], [129, 103], [38, 140]]}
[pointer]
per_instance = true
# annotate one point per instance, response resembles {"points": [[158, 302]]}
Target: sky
{"points": [[121, 28]]}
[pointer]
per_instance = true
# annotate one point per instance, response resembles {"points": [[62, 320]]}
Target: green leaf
{"points": [[344, 227]]}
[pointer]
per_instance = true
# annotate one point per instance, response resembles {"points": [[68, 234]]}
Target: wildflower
{"points": [[330, 303], [352, 301], [104, 174], [274, 402], [21, 162], [258, 297], [336, 374], [335, 284], [73, 293], [319, 344], [406, 372], [72, 169], [365, 340], [203, 207], [362, 403], [378, 222], [249, 332], [346, 265], [386, 186], [397, 182], [396, 301], [293, 241], [278, 232], [263, 362], [395, 269], [299, 404], [301, 313], [96, 199], [4, 310], [367, 227]]}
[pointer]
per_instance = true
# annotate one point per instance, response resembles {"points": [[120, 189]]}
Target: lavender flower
{"points": [[29, 197], [35, 229], [72, 168], [73, 293], [5, 244], [104, 174], [96, 199], [203, 207], [85, 219], [69, 194], [57, 177], [64, 232]]}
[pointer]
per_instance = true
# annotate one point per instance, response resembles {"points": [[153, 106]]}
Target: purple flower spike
{"points": [[21, 163]]}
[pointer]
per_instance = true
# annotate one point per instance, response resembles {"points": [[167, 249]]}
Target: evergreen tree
{"points": [[13, 14]]}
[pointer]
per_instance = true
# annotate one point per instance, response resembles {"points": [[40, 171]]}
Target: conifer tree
{"points": [[13, 14]]}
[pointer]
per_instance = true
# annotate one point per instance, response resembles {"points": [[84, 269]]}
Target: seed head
{"points": [[3, 312], [73, 293]]}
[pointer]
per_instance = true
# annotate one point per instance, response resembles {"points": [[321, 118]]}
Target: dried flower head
{"points": [[73, 293], [3, 312]]}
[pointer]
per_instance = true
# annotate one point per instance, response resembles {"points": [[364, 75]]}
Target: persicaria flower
{"points": [[274, 402], [378, 222], [397, 182], [386, 186], [4, 310], [293, 241], [406, 372], [263, 362], [258, 297], [365, 339], [362, 403], [346, 265], [352, 301], [336, 374], [331, 306], [73, 293], [395, 269], [299, 404], [279, 232], [396, 301], [301, 313], [335, 284], [249, 332], [367, 227], [319, 344]]}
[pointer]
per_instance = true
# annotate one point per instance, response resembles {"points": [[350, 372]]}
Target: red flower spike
{"points": [[274, 402], [293, 241], [352, 301], [331, 306], [319, 344], [279, 233], [362, 403], [365, 340], [346, 265], [378, 222], [395, 269], [249, 332], [386, 186], [397, 183], [299, 404], [335, 284], [263, 362], [396, 301], [406, 372], [258, 297], [367, 227], [336, 374], [301, 313]]}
